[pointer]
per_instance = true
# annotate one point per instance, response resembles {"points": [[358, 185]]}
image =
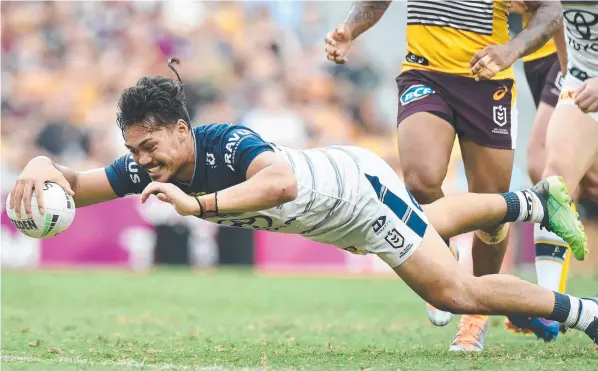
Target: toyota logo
{"points": [[582, 21]]}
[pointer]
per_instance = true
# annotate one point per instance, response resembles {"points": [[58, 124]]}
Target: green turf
{"points": [[234, 319]]}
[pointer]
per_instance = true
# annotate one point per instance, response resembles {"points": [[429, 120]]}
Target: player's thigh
{"points": [[391, 222], [425, 132], [571, 144], [547, 71], [488, 170], [432, 271]]}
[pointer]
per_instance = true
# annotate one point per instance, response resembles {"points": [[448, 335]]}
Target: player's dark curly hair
{"points": [[153, 102]]}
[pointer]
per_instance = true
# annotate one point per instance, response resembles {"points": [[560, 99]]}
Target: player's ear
{"points": [[182, 129]]}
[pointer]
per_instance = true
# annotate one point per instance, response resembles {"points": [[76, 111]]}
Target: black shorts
{"points": [[543, 79]]}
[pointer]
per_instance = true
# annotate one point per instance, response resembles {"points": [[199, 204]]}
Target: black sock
{"points": [[513, 207], [562, 307]]}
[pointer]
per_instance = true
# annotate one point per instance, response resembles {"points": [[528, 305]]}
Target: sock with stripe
{"points": [[574, 312], [523, 206], [552, 260]]}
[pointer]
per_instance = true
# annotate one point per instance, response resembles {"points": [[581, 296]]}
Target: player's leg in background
{"points": [[588, 210], [488, 170], [571, 149], [551, 251], [571, 145], [537, 142], [425, 140], [552, 256]]}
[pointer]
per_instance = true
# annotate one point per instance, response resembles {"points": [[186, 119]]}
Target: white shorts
{"points": [[567, 97], [387, 221]]}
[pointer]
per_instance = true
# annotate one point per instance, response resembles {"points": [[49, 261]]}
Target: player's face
{"points": [[160, 151]]}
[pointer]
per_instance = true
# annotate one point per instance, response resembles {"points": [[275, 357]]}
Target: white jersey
{"points": [[581, 31], [328, 185], [347, 197]]}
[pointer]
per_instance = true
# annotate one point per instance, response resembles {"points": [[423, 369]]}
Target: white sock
{"points": [[582, 313], [530, 209], [551, 254]]}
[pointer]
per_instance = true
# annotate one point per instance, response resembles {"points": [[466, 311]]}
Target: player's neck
{"points": [[185, 174]]}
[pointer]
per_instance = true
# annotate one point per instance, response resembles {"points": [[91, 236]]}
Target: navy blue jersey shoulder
{"points": [[223, 153]]}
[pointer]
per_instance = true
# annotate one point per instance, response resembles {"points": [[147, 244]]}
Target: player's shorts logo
{"points": [[567, 95], [499, 115], [379, 224], [395, 239], [500, 93], [415, 92]]}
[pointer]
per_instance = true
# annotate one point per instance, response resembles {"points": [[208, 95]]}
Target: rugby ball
{"points": [[59, 213]]}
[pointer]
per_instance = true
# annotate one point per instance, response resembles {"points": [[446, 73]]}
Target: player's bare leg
{"points": [[488, 170], [436, 277], [552, 258], [571, 145], [536, 149], [425, 143], [572, 157]]}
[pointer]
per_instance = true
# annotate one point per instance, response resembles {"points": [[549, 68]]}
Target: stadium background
{"points": [[258, 63]]}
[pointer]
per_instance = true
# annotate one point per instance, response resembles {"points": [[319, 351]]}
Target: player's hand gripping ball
{"points": [[59, 212]]}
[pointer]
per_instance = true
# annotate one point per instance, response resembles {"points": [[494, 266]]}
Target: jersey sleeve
{"points": [[240, 147], [126, 176]]}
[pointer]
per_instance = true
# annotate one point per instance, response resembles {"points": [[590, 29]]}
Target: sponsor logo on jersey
{"points": [[582, 29], [232, 145], [500, 93], [415, 92], [412, 58], [578, 74], [133, 170], [580, 23]]}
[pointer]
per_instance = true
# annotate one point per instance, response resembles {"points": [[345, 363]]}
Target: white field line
{"points": [[124, 364]]}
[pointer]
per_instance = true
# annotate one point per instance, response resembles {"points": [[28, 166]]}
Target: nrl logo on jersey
{"points": [[210, 160]]}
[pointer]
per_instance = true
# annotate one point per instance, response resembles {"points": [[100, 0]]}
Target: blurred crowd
{"points": [[259, 63]]}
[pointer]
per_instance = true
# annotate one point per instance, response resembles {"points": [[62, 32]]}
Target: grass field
{"points": [[233, 319]]}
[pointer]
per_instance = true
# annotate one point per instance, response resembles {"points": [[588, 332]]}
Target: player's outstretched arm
{"points": [[87, 187], [270, 183]]}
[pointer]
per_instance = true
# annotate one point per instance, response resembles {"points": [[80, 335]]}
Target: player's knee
{"points": [[493, 235], [556, 165], [456, 296], [424, 185]]}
